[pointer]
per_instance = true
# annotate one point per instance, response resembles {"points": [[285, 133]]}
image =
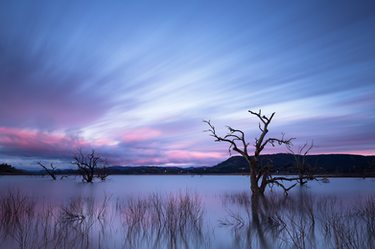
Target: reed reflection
{"points": [[156, 221], [180, 220], [299, 221], [173, 221], [28, 224]]}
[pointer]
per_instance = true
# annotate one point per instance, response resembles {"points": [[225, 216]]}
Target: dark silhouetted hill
{"points": [[339, 164], [6, 169], [283, 163]]}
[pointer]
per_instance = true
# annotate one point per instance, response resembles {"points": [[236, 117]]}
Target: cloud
{"points": [[33, 98], [184, 156], [134, 81], [34, 143], [140, 134]]}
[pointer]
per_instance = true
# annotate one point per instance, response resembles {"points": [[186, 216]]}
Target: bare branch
{"points": [[88, 165], [230, 138], [305, 171], [50, 172], [273, 181], [258, 171]]}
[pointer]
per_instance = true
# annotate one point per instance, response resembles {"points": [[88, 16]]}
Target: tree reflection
{"points": [[298, 221], [179, 221]]}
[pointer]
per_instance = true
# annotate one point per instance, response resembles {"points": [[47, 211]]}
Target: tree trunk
{"points": [[254, 186], [255, 189]]}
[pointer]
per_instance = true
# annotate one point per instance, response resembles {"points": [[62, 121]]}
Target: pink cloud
{"points": [[162, 157], [141, 134], [33, 141], [104, 142], [182, 153], [188, 156]]}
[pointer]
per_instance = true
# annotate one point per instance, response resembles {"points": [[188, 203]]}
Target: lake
{"points": [[184, 212]]}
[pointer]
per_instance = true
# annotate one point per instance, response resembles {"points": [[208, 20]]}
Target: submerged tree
{"points": [[260, 175], [304, 169], [366, 169], [103, 172], [50, 172], [89, 165]]}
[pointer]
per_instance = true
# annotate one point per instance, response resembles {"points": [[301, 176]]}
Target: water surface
{"points": [[225, 220]]}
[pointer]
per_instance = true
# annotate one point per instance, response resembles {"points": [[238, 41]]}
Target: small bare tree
{"points": [[366, 169], [260, 175], [103, 172], [88, 165], [305, 170], [50, 172]]}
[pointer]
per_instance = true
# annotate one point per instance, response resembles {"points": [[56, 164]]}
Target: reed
{"points": [[300, 221], [25, 223], [172, 221], [177, 220]]}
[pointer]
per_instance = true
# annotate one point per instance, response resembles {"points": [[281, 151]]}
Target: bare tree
{"points": [[50, 172], [103, 172], [366, 169], [89, 164], [260, 175], [305, 170]]}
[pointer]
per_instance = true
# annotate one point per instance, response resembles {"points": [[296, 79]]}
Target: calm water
{"points": [[225, 221]]}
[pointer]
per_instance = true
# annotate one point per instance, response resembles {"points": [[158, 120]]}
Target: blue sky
{"points": [[135, 79]]}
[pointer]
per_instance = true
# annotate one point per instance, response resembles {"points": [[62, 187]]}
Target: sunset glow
{"points": [[134, 80]]}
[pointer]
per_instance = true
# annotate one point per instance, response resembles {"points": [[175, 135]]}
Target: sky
{"points": [[133, 80]]}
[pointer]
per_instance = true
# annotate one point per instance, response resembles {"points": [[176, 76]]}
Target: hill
{"points": [[339, 164], [6, 169], [283, 163]]}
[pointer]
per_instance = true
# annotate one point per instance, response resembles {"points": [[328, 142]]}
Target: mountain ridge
{"points": [[283, 163]]}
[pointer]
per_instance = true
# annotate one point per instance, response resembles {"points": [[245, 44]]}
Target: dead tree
{"points": [[50, 172], [103, 172], [260, 175], [366, 169], [89, 164], [304, 169]]}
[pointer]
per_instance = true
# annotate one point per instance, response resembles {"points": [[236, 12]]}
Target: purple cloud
{"points": [[135, 80]]}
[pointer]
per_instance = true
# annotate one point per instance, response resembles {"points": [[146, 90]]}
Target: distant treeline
{"points": [[333, 164], [6, 169]]}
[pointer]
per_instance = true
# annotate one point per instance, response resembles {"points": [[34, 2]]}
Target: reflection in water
{"points": [[179, 220], [28, 225], [173, 221], [299, 221]]}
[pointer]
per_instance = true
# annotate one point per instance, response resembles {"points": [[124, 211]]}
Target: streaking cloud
{"points": [[134, 79]]}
